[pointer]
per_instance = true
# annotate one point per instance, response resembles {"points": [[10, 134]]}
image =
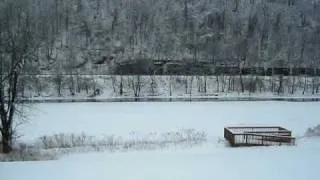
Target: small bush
{"points": [[311, 132], [23, 152], [134, 142], [62, 140], [51, 147]]}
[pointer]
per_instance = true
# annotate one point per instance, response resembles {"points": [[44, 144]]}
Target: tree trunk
{"points": [[87, 88], [305, 84], [205, 84], [58, 81], [6, 141], [229, 84], [313, 85], [78, 84], [59, 90], [186, 85], [252, 84], [121, 86], [257, 80], [22, 87], [318, 86], [218, 84], [114, 82], [136, 86], [280, 88], [191, 85], [233, 82], [170, 86], [261, 82], [223, 85], [93, 83], [272, 84], [72, 91], [39, 86], [199, 83], [241, 83], [153, 86], [293, 84]]}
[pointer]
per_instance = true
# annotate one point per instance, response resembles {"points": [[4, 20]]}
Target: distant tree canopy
{"points": [[85, 34]]}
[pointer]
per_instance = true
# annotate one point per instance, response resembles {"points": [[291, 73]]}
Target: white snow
{"points": [[122, 118], [210, 161]]}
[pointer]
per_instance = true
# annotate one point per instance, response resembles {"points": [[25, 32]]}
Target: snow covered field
{"points": [[212, 160]]}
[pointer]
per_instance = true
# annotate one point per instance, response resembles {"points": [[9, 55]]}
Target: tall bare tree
{"points": [[16, 48]]}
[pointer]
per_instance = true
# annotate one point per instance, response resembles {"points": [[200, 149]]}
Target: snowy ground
{"points": [[210, 161]]}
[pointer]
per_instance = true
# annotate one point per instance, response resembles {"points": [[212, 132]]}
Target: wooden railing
{"points": [[251, 136]]}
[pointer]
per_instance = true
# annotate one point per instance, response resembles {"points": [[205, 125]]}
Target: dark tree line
{"points": [[95, 35]]}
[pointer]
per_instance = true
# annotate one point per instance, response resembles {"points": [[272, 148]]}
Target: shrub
{"points": [[311, 132], [53, 146], [111, 142], [24, 152]]}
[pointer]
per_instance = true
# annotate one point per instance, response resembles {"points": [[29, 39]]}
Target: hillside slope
{"points": [[95, 35]]}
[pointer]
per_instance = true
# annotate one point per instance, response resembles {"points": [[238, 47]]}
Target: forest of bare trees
{"points": [[86, 36]]}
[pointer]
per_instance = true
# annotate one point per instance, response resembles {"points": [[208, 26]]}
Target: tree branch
{"points": [[12, 71]]}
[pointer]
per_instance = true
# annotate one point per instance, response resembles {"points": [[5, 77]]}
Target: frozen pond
{"points": [[207, 162], [123, 118]]}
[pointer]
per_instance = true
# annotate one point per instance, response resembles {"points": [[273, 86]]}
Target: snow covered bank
{"points": [[175, 99], [57, 145], [205, 163]]}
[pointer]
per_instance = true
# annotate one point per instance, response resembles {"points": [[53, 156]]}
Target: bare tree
{"points": [[217, 83], [280, 87], [114, 84], [16, 43], [202, 84], [191, 86], [121, 86], [136, 84], [153, 85], [170, 86], [58, 80], [186, 84]]}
